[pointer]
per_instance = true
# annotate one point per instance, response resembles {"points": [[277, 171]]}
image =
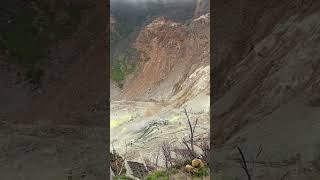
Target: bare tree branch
{"points": [[285, 175], [192, 130], [244, 164], [259, 151], [191, 153], [166, 149], [195, 125], [157, 158]]}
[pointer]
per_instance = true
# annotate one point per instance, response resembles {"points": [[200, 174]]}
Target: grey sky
{"points": [[160, 1]]}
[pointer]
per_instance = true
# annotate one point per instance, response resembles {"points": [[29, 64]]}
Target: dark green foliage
{"points": [[202, 172], [118, 71], [132, 51], [121, 68]]}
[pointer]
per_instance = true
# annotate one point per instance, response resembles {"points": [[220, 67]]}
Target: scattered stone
{"points": [[136, 169]]}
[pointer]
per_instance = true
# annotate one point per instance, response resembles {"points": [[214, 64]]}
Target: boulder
{"points": [[197, 163], [189, 168]]}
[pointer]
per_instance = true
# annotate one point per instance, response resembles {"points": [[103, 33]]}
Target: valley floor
{"points": [[144, 126]]}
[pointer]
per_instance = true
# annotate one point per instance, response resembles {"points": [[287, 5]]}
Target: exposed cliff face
{"points": [[169, 53], [173, 71], [268, 95], [267, 74]]}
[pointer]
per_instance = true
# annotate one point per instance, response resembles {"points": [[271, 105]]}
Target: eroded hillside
{"points": [[266, 91], [169, 53], [172, 72]]}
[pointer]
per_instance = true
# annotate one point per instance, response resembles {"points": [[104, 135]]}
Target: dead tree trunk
{"points": [[192, 130]]}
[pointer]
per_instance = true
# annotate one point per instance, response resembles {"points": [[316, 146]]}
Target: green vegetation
{"points": [[121, 68], [132, 51], [118, 71], [202, 172], [163, 175]]}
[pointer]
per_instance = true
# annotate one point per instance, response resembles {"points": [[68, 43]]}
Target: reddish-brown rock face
{"points": [[165, 47]]}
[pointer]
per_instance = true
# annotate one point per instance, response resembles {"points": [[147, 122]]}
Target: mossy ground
{"points": [[178, 173]]}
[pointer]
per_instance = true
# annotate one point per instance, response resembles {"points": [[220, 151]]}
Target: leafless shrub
{"points": [[125, 157], [155, 160], [190, 153], [149, 165], [182, 153], [243, 163], [182, 157], [205, 148], [166, 150], [192, 129]]}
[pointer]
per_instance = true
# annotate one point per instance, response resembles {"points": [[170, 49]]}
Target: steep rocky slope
{"points": [[266, 93], [169, 53], [173, 72]]}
